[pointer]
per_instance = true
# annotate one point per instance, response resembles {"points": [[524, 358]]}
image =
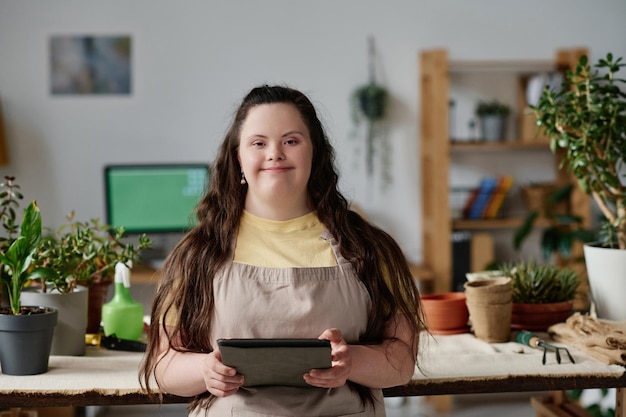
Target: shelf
{"points": [[518, 67], [497, 146], [143, 274], [438, 77], [493, 224]]}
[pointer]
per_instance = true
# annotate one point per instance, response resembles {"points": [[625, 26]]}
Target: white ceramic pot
{"points": [[606, 269]]}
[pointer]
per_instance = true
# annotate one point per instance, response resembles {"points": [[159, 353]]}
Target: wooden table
{"points": [[451, 365]]}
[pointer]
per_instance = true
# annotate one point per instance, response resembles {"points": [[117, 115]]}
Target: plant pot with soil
{"points": [[542, 295], [25, 331]]}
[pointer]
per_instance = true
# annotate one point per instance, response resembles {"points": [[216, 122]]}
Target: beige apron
{"points": [[259, 302]]}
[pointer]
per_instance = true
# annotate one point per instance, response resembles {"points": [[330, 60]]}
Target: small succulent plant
{"points": [[534, 283]]}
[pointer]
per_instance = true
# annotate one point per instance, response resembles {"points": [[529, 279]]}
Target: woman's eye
{"points": [[291, 141]]}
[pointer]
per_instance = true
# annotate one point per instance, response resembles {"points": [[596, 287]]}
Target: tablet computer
{"points": [[275, 361]]}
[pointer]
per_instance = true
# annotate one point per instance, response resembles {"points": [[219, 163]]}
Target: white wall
{"points": [[193, 60]]}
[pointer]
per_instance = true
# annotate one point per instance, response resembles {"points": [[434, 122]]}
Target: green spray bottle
{"points": [[122, 315]]}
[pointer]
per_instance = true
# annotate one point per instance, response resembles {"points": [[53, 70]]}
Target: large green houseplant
{"points": [[587, 120], [25, 331], [586, 124]]}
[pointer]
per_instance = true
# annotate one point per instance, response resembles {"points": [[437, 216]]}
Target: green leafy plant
{"points": [[587, 120], [534, 283], [17, 255], [85, 252], [564, 229], [492, 108], [369, 103]]}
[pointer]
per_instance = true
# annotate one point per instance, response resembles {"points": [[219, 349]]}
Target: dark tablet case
{"points": [[275, 361]]}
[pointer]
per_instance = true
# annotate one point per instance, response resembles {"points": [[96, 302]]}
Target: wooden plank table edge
{"points": [[414, 388]]}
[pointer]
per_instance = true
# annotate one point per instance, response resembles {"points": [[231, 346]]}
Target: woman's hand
{"points": [[220, 380], [337, 375]]}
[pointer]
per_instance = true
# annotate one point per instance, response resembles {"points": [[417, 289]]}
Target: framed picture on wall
{"points": [[84, 64]]}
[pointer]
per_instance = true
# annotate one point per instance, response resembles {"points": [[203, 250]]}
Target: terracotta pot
{"points": [[539, 316], [445, 313]]}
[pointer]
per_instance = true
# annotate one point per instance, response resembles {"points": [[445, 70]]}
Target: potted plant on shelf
{"points": [[25, 331], [492, 117], [586, 124], [542, 294]]}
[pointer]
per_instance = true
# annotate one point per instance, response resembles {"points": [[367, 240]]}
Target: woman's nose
{"points": [[275, 153]]}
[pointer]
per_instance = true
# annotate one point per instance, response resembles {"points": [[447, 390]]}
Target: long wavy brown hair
{"points": [[187, 274]]}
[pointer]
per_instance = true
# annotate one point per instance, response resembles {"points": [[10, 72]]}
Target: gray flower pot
{"points": [[25, 341], [492, 128], [69, 334]]}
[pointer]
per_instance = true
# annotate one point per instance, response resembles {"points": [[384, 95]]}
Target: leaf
{"points": [[522, 232], [549, 242], [560, 194]]}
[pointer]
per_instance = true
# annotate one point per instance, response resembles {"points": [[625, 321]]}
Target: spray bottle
{"points": [[122, 315]]}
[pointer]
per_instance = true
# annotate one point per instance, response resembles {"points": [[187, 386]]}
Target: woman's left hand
{"points": [[338, 373]]}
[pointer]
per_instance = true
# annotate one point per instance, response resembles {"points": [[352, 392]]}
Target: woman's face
{"points": [[276, 154]]}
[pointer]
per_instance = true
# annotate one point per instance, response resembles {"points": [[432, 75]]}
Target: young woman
{"points": [[278, 254]]}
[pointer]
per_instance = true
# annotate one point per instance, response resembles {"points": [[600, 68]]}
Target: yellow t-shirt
{"points": [[294, 243]]}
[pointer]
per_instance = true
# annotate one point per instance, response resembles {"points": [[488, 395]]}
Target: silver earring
{"points": [[243, 178]]}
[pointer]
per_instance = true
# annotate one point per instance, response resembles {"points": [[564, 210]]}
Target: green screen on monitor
{"points": [[154, 198]]}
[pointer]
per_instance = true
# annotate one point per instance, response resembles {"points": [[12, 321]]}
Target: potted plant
{"points": [[492, 116], [542, 294], [82, 256], [586, 124], [25, 331], [369, 102], [79, 261]]}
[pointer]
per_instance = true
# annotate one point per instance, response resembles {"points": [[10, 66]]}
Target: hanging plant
{"points": [[369, 103]]}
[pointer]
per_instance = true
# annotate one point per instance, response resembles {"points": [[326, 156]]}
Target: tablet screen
{"points": [[275, 361]]}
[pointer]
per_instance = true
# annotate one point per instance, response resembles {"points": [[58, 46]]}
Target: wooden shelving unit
{"points": [[437, 148]]}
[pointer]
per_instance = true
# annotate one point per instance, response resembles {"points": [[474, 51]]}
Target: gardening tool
{"points": [[529, 339]]}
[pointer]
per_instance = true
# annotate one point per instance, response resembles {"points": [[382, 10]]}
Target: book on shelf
{"points": [[492, 209], [485, 201], [470, 202], [485, 189]]}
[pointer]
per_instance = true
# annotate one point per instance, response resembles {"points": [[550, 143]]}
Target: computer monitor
{"points": [[154, 198]]}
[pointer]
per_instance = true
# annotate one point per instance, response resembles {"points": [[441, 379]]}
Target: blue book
{"points": [[485, 190]]}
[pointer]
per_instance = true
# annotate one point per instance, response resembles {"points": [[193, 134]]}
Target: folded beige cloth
{"points": [[603, 339]]}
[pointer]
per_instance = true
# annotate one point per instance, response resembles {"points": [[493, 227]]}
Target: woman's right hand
{"points": [[220, 380]]}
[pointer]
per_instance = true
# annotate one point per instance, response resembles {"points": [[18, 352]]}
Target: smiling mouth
{"points": [[276, 169]]}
